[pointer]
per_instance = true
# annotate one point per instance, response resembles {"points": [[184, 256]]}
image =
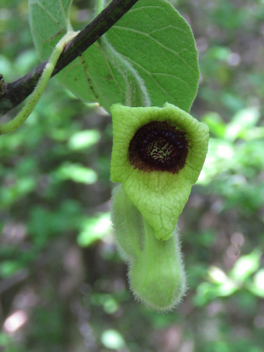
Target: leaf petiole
{"points": [[41, 85]]}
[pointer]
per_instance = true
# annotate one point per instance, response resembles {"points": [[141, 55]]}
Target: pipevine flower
{"points": [[157, 156]]}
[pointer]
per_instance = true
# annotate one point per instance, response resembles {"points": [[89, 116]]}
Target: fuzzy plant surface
{"points": [[144, 71], [156, 273]]}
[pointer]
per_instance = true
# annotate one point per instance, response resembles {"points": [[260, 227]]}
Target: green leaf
{"points": [[159, 44], [9, 267], [112, 339], [83, 139], [207, 291], [76, 173], [17, 189], [241, 123], [220, 156], [152, 38], [257, 287], [246, 265], [215, 124], [217, 275], [94, 229]]}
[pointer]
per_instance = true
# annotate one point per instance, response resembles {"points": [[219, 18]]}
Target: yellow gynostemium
{"points": [[157, 156]]}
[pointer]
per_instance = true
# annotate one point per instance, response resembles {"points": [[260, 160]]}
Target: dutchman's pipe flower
{"points": [[157, 156]]}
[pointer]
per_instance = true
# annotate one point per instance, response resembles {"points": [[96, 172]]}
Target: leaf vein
{"points": [[158, 42], [49, 14], [155, 81]]}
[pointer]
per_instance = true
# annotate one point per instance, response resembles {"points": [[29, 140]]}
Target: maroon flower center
{"points": [[158, 145]]}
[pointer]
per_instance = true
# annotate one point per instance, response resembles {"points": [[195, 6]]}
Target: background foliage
{"points": [[63, 285]]}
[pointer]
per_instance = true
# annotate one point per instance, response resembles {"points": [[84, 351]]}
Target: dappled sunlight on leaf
{"points": [[83, 140], [112, 339], [76, 173], [94, 229]]}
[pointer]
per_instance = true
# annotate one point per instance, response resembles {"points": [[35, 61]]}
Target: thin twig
{"points": [[19, 90]]}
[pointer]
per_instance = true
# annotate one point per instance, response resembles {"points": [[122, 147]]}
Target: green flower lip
{"points": [[160, 196]]}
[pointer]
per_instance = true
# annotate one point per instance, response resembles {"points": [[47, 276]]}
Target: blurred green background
{"points": [[63, 285]]}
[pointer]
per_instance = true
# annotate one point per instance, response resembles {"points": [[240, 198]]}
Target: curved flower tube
{"points": [[156, 273], [158, 154]]}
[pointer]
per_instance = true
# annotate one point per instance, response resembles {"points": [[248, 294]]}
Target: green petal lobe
{"points": [[160, 196]]}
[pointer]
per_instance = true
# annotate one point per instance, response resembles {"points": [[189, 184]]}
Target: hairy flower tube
{"points": [[156, 274], [157, 155]]}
